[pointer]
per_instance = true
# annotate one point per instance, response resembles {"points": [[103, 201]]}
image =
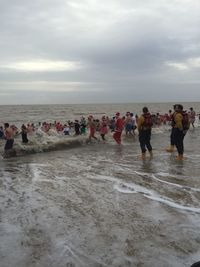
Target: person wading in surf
{"points": [[144, 128], [8, 133], [92, 128], [172, 143], [119, 126], [181, 124], [192, 116]]}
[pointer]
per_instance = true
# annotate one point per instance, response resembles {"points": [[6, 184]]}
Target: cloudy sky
{"points": [[89, 51]]}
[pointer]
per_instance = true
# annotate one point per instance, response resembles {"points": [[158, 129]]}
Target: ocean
{"points": [[65, 203]]}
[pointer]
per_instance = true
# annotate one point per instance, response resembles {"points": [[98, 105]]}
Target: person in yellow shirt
{"points": [[179, 132], [144, 126]]}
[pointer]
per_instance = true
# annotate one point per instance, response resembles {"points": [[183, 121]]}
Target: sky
{"points": [[108, 51]]}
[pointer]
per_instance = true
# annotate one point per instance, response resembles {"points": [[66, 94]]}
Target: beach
{"points": [[98, 204]]}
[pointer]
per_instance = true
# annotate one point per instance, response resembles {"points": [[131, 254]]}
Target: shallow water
{"points": [[100, 205]]}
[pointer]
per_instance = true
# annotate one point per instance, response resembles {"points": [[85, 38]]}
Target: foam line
{"points": [[133, 188], [166, 182]]}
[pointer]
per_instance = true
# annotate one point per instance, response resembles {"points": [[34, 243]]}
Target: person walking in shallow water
{"points": [[172, 142], [119, 126], [181, 124], [144, 129], [9, 136], [92, 128], [24, 134], [103, 128], [192, 116]]}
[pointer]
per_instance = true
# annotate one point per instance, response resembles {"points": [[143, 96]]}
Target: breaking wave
{"points": [[43, 142]]}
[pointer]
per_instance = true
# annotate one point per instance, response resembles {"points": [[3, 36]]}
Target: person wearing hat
{"points": [[119, 125]]}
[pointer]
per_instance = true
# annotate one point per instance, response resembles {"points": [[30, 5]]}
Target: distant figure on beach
{"points": [[112, 124], [128, 124], [24, 134], [66, 129], [133, 123], [144, 128], [119, 126], [192, 116], [83, 125], [9, 136], [170, 114]]}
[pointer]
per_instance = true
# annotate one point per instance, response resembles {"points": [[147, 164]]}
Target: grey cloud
{"points": [[121, 44]]}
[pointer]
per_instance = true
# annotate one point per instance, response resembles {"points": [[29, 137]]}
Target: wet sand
{"points": [[99, 205]]}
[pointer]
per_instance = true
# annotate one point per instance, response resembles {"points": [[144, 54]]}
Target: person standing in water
{"points": [[144, 129], [9, 136], [24, 134], [103, 128], [92, 128], [128, 124], [192, 116], [181, 124], [119, 125], [1, 132], [172, 142]]}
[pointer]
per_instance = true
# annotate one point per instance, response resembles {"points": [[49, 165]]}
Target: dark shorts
{"points": [[129, 127], [9, 144]]}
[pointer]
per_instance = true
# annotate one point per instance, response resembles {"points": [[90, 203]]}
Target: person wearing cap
{"points": [[119, 125]]}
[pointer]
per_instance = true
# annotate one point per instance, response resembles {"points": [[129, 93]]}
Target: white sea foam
{"points": [[153, 176], [42, 142], [133, 188]]}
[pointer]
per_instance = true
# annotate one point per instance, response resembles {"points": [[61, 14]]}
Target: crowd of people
{"points": [[179, 120]]}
